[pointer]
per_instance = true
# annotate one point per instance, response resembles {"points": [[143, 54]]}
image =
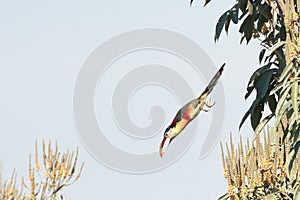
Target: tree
{"points": [[268, 169]]}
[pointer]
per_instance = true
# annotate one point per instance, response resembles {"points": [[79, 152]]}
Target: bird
{"points": [[189, 112]]}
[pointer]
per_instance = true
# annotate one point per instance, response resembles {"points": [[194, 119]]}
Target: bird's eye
{"points": [[166, 134]]}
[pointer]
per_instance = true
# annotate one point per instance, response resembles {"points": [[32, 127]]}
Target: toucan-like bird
{"points": [[188, 112]]}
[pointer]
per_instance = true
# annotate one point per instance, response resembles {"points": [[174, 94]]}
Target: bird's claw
{"points": [[208, 104]]}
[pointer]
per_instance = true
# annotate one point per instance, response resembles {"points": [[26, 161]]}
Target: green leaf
{"points": [[285, 71], [206, 2], [243, 15], [256, 114], [281, 100], [292, 121], [264, 16], [275, 47], [227, 23], [220, 25], [263, 83], [281, 112], [258, 72], [286, 83], [265, 11], [243, 5], [261, 55], [242, 39], [292, 156], [249, 91], [247, 27], [272, 103], [262, 124], [276, 88], [245, 117], [285, 86], [235, 13]]}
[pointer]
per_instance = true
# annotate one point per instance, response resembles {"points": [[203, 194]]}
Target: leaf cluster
{"points": [[262, 20]]}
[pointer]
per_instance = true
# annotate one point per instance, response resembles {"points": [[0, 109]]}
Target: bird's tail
{"points": [[213, 82]]}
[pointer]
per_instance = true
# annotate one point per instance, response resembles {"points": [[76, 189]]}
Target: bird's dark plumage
{"points": [[213, 81]]}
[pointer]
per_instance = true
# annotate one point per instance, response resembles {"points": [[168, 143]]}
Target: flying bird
{"points": [[188, 112]]}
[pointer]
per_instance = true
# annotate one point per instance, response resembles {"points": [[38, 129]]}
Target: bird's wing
{"points": [[180, 114], [185, 111], [213, 82]]}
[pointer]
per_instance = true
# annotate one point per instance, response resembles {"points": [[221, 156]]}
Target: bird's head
{"points": [[167, 139]]}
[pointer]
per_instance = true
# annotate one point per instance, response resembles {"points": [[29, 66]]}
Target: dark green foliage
{"points": [[260, 80], [225, 18], [206, 2], [258, 24], [247, 27], [276, 24]]}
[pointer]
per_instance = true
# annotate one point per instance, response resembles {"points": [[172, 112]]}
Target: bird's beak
{"points": [[164, 144]]}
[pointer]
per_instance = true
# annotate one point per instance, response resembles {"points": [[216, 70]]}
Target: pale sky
{"points": [[43, 45]]}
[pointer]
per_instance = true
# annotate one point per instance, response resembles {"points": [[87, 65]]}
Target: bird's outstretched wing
{"points": [[213, 81]]}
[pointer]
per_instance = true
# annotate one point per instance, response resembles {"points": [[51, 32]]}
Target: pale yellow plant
{"points": [[46, 180], [260, 171]]}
